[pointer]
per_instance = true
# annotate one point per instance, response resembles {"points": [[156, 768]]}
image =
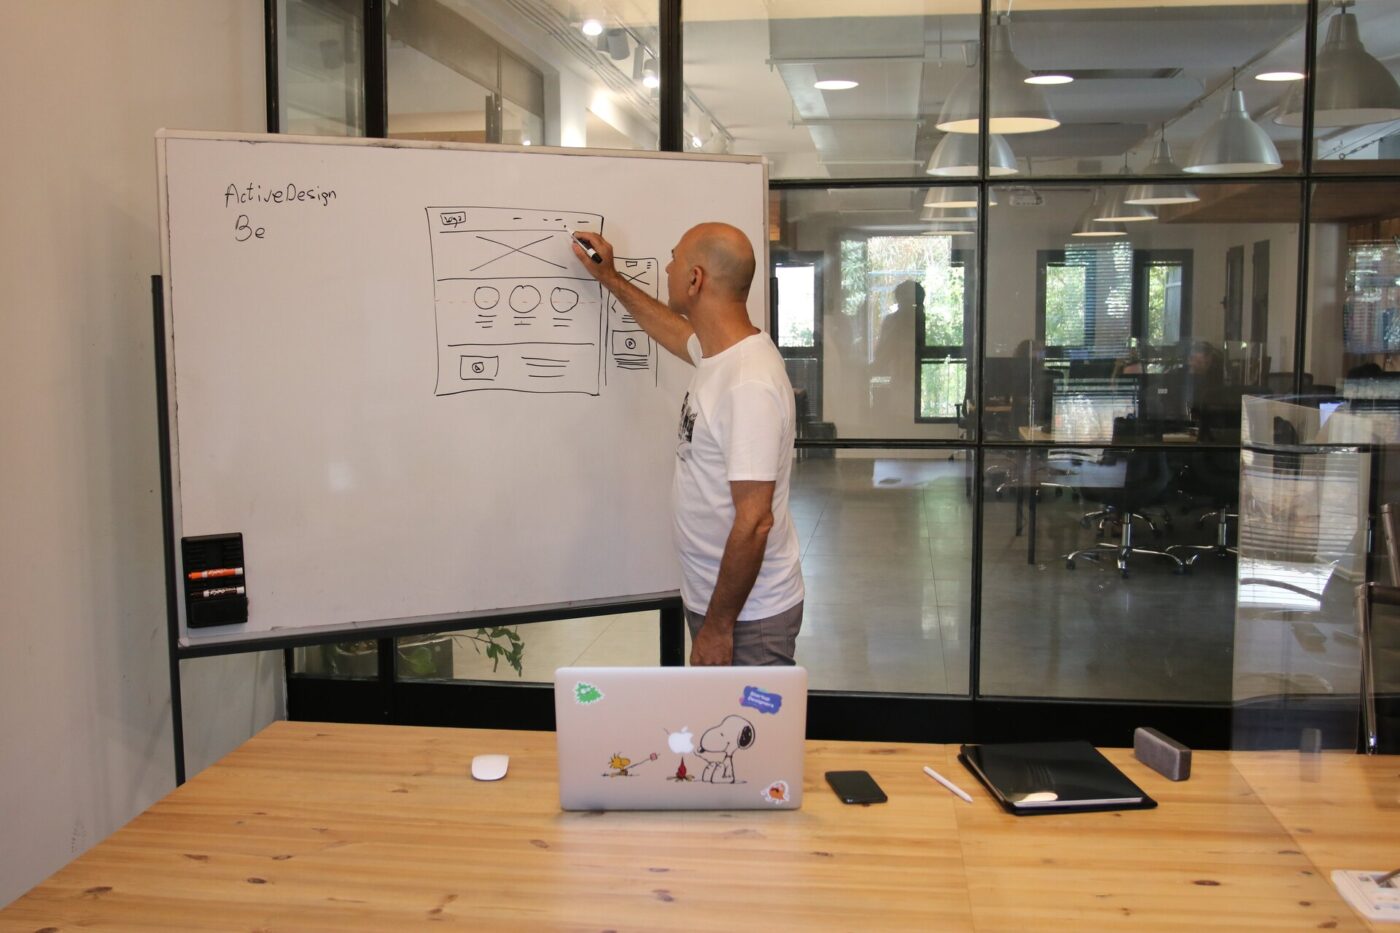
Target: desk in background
{"points": [[352, 827]]}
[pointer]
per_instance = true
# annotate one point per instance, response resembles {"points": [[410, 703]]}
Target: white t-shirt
{"points": [[738, 422]]}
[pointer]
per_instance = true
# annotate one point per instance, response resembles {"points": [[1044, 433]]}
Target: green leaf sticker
{"points": [[585, 693]]}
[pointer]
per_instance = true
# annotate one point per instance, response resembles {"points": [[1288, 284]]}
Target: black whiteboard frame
{"points": [[667, 603]]}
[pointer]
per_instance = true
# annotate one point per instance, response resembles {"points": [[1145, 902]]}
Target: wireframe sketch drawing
{"points": [[516, 312]]}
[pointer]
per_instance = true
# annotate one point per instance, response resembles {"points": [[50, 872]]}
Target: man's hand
{"points": [[712, 647], [603, 270]]}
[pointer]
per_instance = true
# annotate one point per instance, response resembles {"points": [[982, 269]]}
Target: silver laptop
{"points": [[680, 738]]}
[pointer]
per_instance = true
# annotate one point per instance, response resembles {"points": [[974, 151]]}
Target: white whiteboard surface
{"points": [[388, 372]]}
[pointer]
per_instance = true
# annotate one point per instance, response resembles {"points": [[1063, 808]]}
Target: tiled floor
{"points": [[886, 550]]}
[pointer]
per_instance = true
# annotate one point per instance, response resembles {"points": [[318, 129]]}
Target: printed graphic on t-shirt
{"points": [[685, 431]]}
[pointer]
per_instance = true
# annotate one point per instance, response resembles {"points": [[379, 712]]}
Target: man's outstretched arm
{"points": [[662, 324]]}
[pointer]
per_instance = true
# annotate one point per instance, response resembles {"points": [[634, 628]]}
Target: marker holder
{"points": [[214, 552]]}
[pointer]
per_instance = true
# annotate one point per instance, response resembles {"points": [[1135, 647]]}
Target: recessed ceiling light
{"points": [[592, 27], [696, 142], [836, 84], [1280, 76], [1050, 79]]}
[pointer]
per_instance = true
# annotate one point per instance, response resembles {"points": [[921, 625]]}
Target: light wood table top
{"points": [[350, 827]]}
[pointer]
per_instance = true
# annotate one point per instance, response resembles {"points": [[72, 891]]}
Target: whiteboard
{"points": [[388, 372]]}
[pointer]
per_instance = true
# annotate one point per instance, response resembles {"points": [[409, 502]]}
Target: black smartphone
{"points": [[855, 787]]}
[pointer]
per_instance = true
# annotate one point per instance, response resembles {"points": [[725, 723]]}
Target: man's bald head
{"points": [[726, 256]]}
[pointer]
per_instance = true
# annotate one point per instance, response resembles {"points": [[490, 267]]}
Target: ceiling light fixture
{"points": [[1161, 193], [1233, 144], [650, 78], [955, 156], [835, 84], [1014, 105], [947, 198], [615, 44], [592, 27], [1050, 78], [1280, 76], [1086, 227], [963, 215], [1353, 88], [1115, 209]]}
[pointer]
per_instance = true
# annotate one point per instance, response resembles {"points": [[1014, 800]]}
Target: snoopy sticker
{"points": [[718, 745]]}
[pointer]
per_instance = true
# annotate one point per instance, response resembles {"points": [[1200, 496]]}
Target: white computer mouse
{"points": [[490, 767]]}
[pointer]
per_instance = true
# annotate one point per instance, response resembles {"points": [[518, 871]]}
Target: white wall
{"points": [[85, 730]]}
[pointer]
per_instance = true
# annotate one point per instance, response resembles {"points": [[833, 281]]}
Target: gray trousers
{"points": [[759, 642]]}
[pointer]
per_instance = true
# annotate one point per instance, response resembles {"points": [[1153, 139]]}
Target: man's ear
{"points": [[697, 278]]}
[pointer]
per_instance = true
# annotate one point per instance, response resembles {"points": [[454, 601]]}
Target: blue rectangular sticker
{"points": [[761, 700]]}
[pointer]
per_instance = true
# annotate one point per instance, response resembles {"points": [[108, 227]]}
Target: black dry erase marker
{"points": [[592, 253], [223, 591]]}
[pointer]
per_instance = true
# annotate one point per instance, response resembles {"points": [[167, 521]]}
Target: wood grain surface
{"points": [[353, 827]]}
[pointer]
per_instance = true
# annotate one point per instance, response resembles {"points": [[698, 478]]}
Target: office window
{"points": [[559, 75], [1129, 321], [1356, 114], [894, 295], [320, 73], [1354, 346]]}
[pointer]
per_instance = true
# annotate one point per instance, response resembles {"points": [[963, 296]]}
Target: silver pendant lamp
{"points": [[1087, 226], [1115, 209], [1014, 106], [1160, 192], [1234, 144], [965, 215], [1352, 87], [948, 198], [955, 156]]}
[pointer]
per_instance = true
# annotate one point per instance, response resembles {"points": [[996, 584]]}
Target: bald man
{"points": [[740, 577]]}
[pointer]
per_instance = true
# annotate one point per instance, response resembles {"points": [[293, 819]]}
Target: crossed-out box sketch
{"points": [[516, 311]]}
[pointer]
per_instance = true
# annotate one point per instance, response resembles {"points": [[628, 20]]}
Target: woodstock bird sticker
{"points": [[618, 766]]}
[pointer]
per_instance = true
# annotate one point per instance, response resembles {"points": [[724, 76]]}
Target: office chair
{"points": [[1215, 475], [1147, 477]]}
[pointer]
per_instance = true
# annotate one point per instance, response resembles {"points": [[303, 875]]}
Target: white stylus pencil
{"points": [[947, 783]]}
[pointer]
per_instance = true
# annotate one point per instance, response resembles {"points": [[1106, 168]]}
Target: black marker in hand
{"points": [[592, 253]]}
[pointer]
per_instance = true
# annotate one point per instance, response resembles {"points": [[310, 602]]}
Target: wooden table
{"points": [[349, 827]]}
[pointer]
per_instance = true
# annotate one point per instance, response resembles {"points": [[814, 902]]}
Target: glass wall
{"points": [[320, 72], [1356, 111], [1139, 180], [524, 72]]}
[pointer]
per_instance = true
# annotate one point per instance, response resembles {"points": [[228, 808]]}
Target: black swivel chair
{"points": [[1147, 479], [1215, 477]]}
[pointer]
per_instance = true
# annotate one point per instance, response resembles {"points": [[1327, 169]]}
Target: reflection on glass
{"points": [[875, 309], [1354, 300], [1303, 518], [1356, 112], [886, 557], [855, 94], [1085, 583], [482, 73], [320, 74], [1126, 339], [1141, 74], [531, 653]]}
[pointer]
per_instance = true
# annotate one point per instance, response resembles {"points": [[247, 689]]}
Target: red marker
{"points": [[220, 572]]}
